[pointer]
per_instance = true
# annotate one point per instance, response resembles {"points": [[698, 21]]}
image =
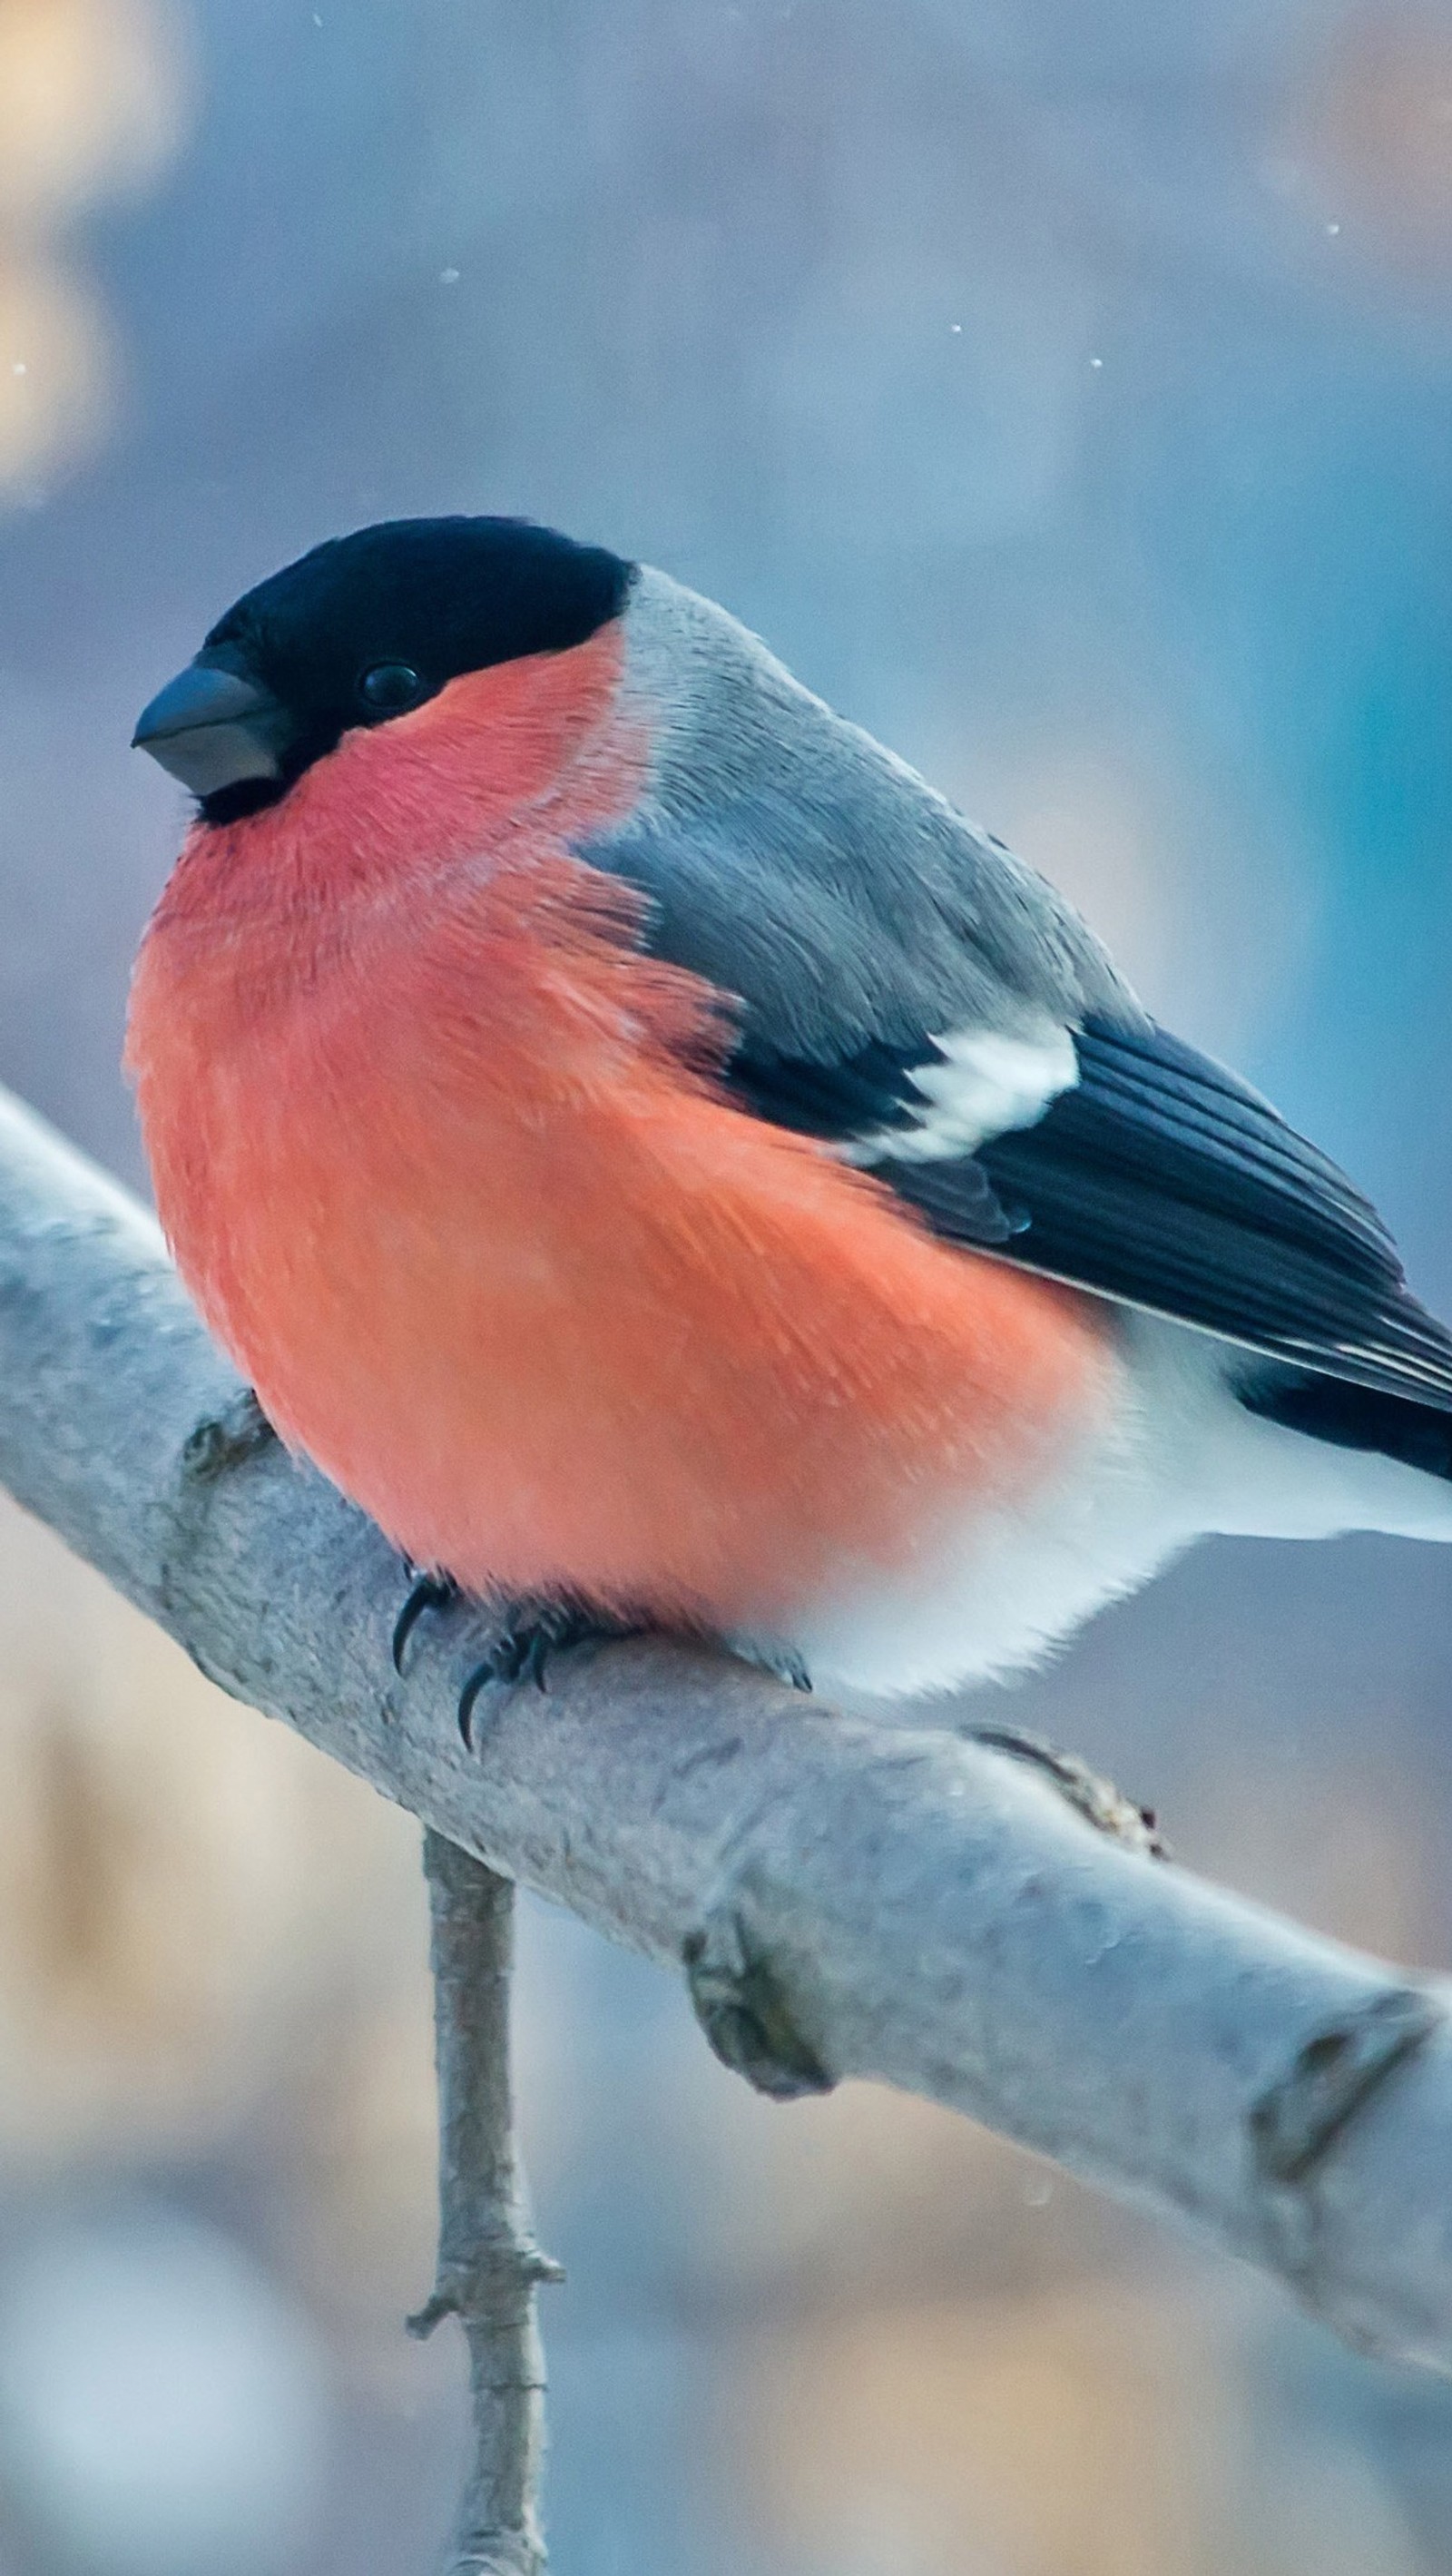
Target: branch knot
{"points": [[741, 2003], [477, 2289], [1091, 1796]]}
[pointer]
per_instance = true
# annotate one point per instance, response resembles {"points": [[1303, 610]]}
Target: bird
{"points": [[673, 1171]]}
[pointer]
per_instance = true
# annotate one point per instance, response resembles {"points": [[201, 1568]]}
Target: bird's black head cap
{"points": [[366, 627]]}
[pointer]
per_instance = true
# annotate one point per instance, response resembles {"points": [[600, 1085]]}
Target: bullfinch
{"points": [[669, 1168]]}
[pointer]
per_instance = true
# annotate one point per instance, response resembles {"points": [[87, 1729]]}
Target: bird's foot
{"points": [[531, 1632], [427, 1592]]}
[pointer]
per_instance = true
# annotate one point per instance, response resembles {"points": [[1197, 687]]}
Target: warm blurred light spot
{"points": [[186, 1894], [92, 99], [367, 2139], [1374, 126], [55, 369], [1051, 2436], [1087, 2431]]}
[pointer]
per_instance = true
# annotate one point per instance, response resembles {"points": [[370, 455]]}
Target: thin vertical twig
{"points": [[489, 2264]]}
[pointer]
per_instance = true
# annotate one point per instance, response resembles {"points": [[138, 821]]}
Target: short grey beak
{"points": [[213, 729]]}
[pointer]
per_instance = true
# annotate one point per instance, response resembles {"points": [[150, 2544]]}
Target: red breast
{"points": [[443, 1162]]}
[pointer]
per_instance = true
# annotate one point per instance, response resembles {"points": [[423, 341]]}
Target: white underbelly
{"points": [[1180, 1459]]}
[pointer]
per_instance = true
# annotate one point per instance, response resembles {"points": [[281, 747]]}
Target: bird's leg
{"points": [[532, 1630], [428, 1591]]}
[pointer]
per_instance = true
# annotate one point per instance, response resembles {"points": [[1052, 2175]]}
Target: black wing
{"points": [[1159, 1180]]}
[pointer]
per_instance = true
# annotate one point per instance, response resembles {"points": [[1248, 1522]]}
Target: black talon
{"points": [[532, 1632], [429, 1592], [480, 1676], [520, 1652]]}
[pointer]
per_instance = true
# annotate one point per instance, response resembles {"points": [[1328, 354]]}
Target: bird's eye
{"points": [[389, 687]]}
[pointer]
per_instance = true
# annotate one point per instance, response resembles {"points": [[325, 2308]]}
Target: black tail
{"points": [[1356, 1417]]}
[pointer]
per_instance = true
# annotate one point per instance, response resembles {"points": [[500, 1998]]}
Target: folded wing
{"points": [[1137, 1168]]}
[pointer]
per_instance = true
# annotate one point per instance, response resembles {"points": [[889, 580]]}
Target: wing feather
{"points": [[1161, 1181]]}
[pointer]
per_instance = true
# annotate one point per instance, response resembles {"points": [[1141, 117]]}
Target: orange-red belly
{"points": [[634, 1345]]}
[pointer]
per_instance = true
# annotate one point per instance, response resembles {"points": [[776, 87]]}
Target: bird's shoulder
{"points": [[797, 864]]}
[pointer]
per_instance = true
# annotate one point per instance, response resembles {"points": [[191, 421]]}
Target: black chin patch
{"points": [[437, 597]]}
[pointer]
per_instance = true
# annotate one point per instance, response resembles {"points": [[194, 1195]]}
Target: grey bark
{"points": [[849, 1899], [489, 2264]]}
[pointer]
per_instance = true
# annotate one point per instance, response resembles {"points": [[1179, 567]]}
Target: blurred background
{"points": [[1062, 386]]}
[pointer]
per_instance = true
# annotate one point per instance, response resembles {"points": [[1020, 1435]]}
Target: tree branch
{"points": [[850, 1899], [489, 2263]]}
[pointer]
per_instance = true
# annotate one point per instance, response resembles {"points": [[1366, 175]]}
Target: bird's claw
{"points": [[532, 1632], [427, 1592], [478, 1680]]}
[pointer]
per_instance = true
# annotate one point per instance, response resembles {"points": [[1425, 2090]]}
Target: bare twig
{"points": [[850, 1899], [489, 2263]]}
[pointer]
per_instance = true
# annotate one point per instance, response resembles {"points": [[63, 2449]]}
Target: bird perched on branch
{"points": [[670, 1169]]}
